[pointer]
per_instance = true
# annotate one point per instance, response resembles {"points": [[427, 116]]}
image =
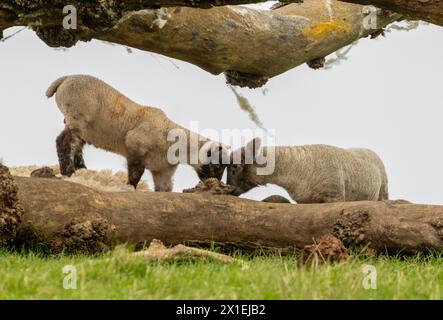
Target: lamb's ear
{"points": [[212, 152], [256, 146]]}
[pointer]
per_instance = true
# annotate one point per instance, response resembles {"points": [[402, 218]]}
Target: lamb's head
{"points": [[242, 169], [214, 157]]}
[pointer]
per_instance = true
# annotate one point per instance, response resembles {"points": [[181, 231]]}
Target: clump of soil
{"points": [[10, 209], [276, 199], [88, 236], [242, 79], [44, 172], [328, 249], [316, 63], [212, 186]]}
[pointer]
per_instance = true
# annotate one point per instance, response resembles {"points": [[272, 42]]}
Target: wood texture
{"points": [[250, 44], [427, 10], [59, 213]]}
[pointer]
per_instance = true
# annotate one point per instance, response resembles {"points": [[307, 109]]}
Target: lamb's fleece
{"points": [[102, 180]]}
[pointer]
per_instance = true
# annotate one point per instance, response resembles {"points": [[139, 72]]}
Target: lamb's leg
{"points": [[322, 198], [79, 162], [69, 152], [328, 192], [136, 169], [384, 194], [163, 180]]}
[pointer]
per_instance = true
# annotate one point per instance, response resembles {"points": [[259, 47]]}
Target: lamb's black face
{"points": [[210, 170], [215, 168], [241, 176]]}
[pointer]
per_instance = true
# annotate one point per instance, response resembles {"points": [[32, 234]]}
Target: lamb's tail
{"points": [[54, 86]]}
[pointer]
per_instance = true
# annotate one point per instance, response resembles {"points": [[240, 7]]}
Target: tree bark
{"points": [[430, 11], [59, 213], [250, 45]]}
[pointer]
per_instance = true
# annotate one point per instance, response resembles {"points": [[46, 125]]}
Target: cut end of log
{"points": [[10, 209]]}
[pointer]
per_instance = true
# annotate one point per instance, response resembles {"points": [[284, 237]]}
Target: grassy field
{"points": [[118, 275]]}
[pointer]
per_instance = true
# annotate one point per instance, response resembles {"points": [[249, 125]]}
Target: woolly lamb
{"points": [[313, 173], [96, 113]]}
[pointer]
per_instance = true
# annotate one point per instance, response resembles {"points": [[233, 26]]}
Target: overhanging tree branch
{"points": [[249, 45], [430, 11]]}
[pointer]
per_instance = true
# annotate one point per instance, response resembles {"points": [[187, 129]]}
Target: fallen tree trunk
{"points": [[62, 214], [249, 45]]}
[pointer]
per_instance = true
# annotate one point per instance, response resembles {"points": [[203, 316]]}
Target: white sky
{"points": [[387, 96]]}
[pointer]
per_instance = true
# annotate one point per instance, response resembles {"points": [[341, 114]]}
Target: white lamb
{"points": [[313, 173], [97, 114]]}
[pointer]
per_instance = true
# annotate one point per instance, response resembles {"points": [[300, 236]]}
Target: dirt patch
{"points": [[211, 186], [328, 249], [10, 209], [44, 172], [276, 199], [88, 236]]}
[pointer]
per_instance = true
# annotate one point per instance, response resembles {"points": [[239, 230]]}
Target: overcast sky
{"points": [[387, 96]]}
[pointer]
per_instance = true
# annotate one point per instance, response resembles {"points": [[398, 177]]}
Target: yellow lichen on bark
{"points": [[321, 29]]}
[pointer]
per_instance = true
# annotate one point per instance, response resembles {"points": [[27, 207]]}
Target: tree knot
{"points": [[88, 236], [350, 227]]}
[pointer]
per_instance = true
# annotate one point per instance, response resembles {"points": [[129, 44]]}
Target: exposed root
{"points": [[158, 252]]}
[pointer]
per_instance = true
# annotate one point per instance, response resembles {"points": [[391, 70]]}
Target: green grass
{"points": [[118, 275]]}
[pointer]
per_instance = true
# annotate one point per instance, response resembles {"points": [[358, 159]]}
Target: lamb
{"points": [[96, 113], [312, 173]]}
